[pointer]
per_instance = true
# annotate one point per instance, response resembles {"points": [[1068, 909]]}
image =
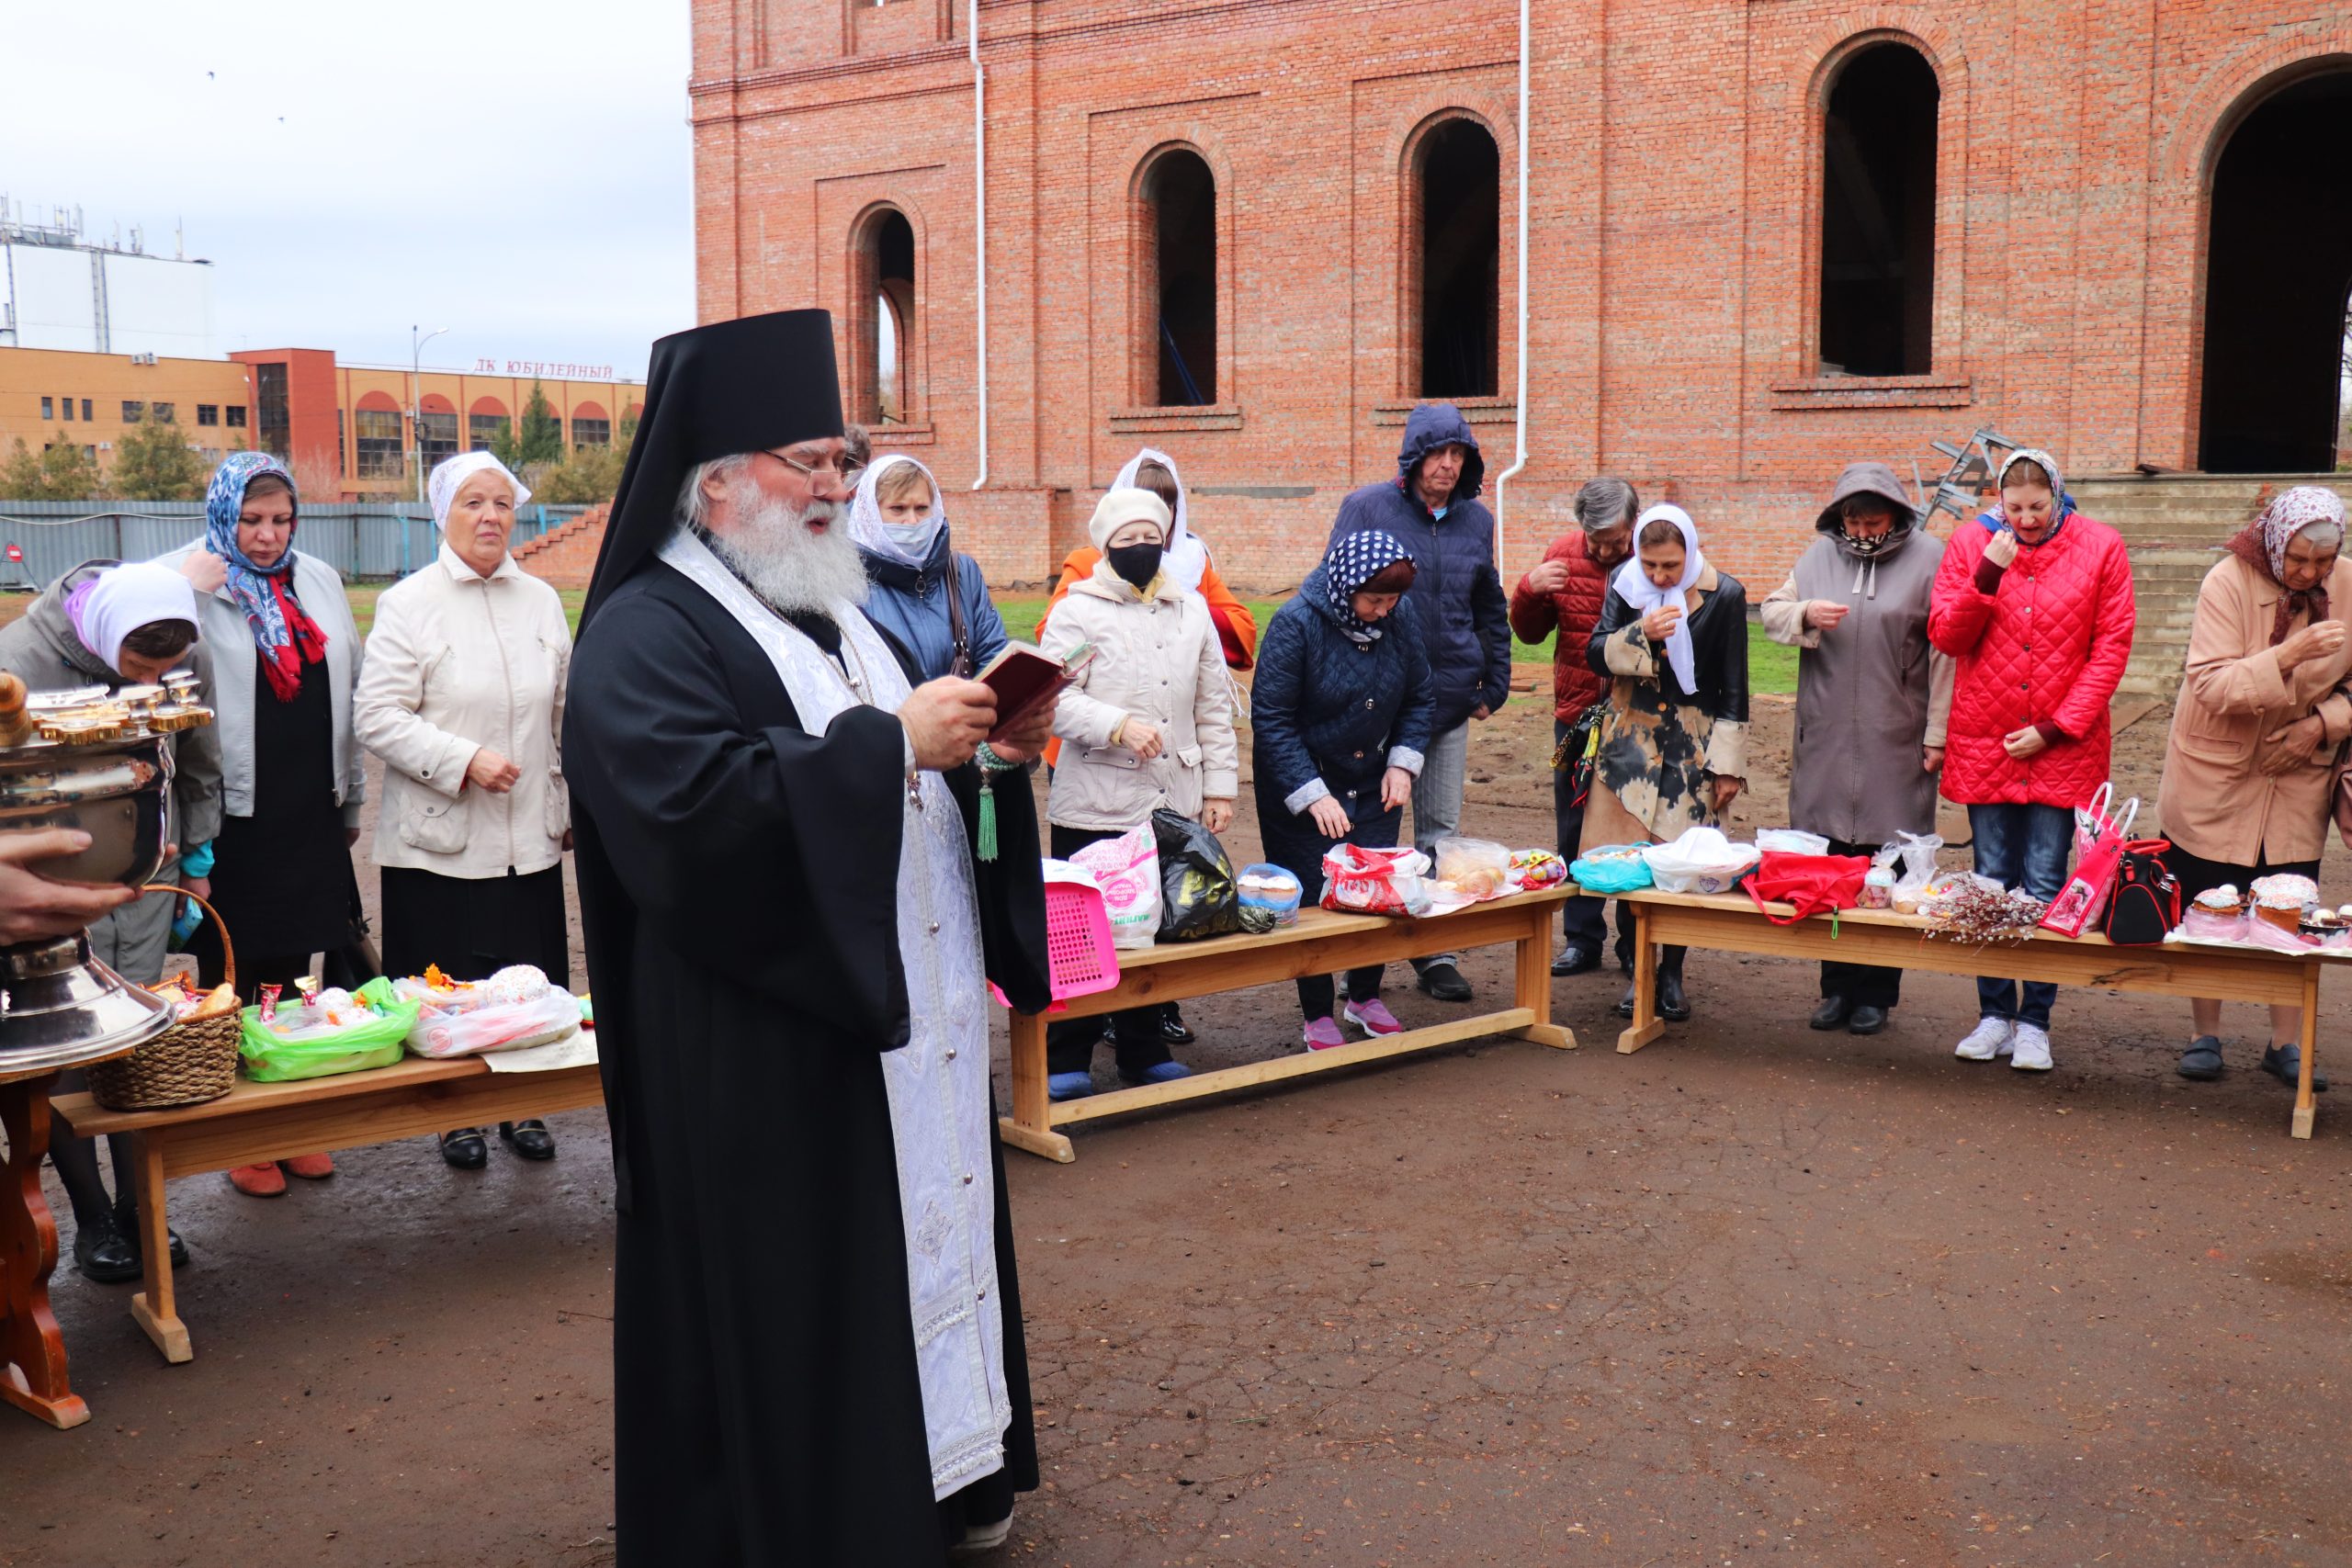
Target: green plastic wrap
{"points": [[373, 1041]]}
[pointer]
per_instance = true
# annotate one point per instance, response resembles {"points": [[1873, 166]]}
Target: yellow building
{"points": [[349, 431]]}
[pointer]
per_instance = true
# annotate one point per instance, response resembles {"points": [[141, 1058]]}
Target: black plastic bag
{"points": [[1199, 897]]}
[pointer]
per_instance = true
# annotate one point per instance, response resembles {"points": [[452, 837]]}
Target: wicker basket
{"points": [[189, 1063]]}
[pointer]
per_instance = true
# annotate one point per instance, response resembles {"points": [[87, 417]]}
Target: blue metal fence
{"points": [[368, 541]]}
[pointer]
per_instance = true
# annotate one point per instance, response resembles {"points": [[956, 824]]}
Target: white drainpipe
{"points": [[1520, 460], [980, 223]]}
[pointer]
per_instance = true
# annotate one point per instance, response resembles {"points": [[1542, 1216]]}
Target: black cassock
{"points": [[739, 882]]}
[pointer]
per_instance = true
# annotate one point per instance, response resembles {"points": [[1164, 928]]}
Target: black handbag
{"points": [[2145, 907]]}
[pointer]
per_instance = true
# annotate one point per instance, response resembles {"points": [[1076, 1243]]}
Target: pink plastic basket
{"points": [[1079, 953]]}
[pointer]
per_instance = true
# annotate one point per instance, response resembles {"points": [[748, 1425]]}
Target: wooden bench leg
{"points": [[32, 1350], [156, 1308], [2306, 1108], [1031, 1124], [1647, 1025], [1534, 983]]}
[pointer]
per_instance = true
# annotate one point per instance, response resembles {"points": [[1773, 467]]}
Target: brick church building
{"points": [[1762, 238]]}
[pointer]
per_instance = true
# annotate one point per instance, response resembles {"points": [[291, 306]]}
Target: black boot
{"points": [[1672, 1005], [103, 1254], [126, 1220]]}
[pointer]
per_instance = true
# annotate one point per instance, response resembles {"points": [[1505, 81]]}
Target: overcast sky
{"points": [[519, 173]]}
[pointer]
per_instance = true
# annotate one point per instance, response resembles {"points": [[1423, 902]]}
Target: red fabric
{"points": [[305, 643], [1573, 612], [1811, 884], [2049, 644]]}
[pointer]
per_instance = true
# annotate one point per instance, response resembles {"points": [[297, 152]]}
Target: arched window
{"points": [[1878, 215], [2279, 259], [376, 428], [883, 319], [1457, 203], [484, 420], [1180, 278], [436, 429]]}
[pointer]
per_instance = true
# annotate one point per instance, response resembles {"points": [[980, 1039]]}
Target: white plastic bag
{"points": [[1128, 867], [1701, 861], [1789, 841], [514, 1008], [1911, 857]]}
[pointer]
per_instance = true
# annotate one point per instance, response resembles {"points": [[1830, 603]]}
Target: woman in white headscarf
{"points": [[1673, 639], [934, 601], [462, 696]]}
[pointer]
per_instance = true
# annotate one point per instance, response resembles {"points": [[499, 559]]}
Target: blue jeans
{"points": [[2021, 846]]}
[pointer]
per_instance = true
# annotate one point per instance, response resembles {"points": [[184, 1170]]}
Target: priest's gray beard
{"points": [[770, 547]]}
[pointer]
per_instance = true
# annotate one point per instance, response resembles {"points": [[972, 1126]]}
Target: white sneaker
{"points": [[1990, 1038], [2032, 1047]]}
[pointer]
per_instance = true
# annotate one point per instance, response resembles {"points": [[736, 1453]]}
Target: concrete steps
{"points": [[2175, 526]]}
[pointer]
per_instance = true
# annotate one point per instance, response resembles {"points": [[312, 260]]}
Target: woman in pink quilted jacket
{"points": [[2033, 602]]}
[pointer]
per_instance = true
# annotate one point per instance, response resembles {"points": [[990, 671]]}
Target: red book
{"points": [[1025, 679]]}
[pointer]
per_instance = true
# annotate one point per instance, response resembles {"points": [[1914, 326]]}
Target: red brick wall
{"points": [[1676, 169]]}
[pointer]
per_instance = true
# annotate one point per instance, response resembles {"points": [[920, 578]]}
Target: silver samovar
{"points": [[99, 761]]}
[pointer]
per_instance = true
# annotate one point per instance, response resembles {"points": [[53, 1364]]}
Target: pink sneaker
{"points": [[1373, 1017], [1321, 1034]]}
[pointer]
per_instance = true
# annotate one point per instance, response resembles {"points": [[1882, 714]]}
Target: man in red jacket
{"points": [[1564, 593]]}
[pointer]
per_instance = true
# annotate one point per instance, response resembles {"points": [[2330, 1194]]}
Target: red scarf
{"points": [[305, 643]]}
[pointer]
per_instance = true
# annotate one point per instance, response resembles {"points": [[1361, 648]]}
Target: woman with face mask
{"points": [[1148, 725], [2033, 602], [2249, 768], [1673, 641], [1873, 698], [934, 601]]}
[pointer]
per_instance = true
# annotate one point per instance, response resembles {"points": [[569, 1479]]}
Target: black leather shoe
{"points": [[529, 1139], [465, 1149], [105, 1255], [1831, 1014], [1574, 960], [2285, 1062], [1625, 1003], [1172, 1030], [1444, 982], [126, 1221], [2202, 1060], [1672, 1005], [1867, 1020]]}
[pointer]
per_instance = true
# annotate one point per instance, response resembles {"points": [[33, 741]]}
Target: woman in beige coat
{"points": [[461, 694], [1149, 725], [2248, 769]]}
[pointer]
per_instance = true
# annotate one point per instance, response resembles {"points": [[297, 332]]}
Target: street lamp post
{"points": [[416, 400]]}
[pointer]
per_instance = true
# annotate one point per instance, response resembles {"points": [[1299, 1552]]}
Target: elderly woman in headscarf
{"points": [[1672, 639], [2249, 766], [1873, 697], [461, 696], [1147, 725], [284, 652], [1339, 720], [113, 626], [2033, 602], [934, 600]]}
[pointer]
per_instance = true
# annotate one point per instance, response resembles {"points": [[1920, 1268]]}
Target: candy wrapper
{"points": [[1533, 869]]}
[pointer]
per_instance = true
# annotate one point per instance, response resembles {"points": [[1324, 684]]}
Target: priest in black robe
{"points": [[817, 1353]]}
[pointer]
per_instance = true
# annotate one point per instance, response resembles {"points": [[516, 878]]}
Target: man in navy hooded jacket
{"points": [[1432, 507]]}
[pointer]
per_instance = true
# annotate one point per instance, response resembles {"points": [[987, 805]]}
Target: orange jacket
{"points": [[1237, 629]]}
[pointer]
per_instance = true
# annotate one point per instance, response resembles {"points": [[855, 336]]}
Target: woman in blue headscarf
{"points": [[291, 782], [1341, 715]]}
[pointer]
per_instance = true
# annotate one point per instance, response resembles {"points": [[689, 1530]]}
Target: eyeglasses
{"points": [[843, 468]]}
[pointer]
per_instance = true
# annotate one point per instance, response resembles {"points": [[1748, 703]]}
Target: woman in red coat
{"points": [[2034, 604]]}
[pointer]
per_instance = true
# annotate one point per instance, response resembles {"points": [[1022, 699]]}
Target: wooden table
{"points": [[257, 1121], [32, 1352], [1730, 921], [1321, 943]]}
